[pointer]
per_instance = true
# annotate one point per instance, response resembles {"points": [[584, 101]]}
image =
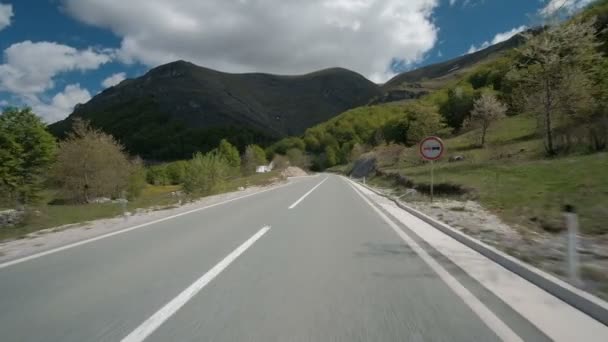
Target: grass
{"points": [[45, 216], [513, 179]]}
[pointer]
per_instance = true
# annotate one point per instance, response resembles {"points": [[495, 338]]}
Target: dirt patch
{"points": [[293, 171]]}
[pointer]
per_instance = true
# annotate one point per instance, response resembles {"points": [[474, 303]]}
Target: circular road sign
{"points": [[431, 148]]}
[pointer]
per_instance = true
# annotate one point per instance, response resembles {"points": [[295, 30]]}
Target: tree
{"points": [[137, 178], [253, 157], [552, 74], [26, 153], [206, 173], [486, 110], [227, 151], [424, 120], [298, 158], [90, 164], [458, 104], [331, 157]]}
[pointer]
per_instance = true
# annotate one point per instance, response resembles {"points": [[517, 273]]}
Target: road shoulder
{"points": [[58, 237], [556, 319]]}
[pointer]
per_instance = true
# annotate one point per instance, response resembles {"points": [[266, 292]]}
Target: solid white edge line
{"points": [[157, 319], [486, 315], [122, 231], [306, 194]]}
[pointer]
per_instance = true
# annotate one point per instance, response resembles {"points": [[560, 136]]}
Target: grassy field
{"points": [[45, 216], [511, 177]]}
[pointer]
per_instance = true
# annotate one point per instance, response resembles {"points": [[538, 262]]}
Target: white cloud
{"points": [[498, 38], [61, 105], [6, 13], [114, 80], [567, 6], [3, 103], [276, 36], [29, 68]]}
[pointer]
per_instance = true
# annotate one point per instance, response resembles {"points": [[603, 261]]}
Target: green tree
{"points": [[176, 171], [331, 156], [254, 156], [553, 73], [206, 173], [487, 109], [137, 179], [424, 120], [26, 153], [158, 175], [90, 164], [459, 104], [230, 153]]}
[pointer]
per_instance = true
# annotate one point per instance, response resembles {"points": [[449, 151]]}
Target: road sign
{"points": [[431, 148]]}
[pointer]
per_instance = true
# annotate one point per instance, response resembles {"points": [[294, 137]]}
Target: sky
{"points": [[58, 53]]}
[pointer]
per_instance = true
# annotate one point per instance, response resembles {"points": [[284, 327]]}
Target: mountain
{"points": [[453, 66], [179, 108]]}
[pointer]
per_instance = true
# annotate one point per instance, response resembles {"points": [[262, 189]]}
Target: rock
{"points": [[410, 193], [100, 200], [293, 171], [364, 166], [241, 188], [10, 217], [455, 159]]}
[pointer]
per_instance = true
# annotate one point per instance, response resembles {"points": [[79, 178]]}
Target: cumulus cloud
{"points": [[277, 36], [114, 80], [61, 105], [498, 38], [566, 6], [29, 68], [6, 13]]}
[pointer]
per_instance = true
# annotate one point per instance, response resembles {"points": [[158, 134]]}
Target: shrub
{"points": [[206, 174]]}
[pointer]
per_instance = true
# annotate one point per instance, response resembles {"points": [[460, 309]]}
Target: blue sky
{"points": [[57, 53]]}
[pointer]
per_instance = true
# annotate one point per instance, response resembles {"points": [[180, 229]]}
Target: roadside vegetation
{"points": [[89, 175], [526, 131]]}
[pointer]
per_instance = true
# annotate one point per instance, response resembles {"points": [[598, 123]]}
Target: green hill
{"points": [[179, 108]]}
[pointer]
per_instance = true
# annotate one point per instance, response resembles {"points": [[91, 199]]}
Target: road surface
{"points": [[310, 261]]}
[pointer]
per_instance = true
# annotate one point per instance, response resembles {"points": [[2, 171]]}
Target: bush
{"points": [[206, 174], [253, 157], [176, 172], [227, 151], [137, 179], [158, 175]]}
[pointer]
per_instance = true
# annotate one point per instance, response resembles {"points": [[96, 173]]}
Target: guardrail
{"points": [[583, 301]]}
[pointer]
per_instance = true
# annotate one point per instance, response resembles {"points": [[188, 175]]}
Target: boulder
{"points": [[364, 166], [10, 217]]}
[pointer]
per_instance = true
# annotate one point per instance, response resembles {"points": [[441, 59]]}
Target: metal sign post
{"points": [[573, 262], [432, 149], [432, 179]]}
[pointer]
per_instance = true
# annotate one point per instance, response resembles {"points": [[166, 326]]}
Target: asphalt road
{"points": [[328, 269]]}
